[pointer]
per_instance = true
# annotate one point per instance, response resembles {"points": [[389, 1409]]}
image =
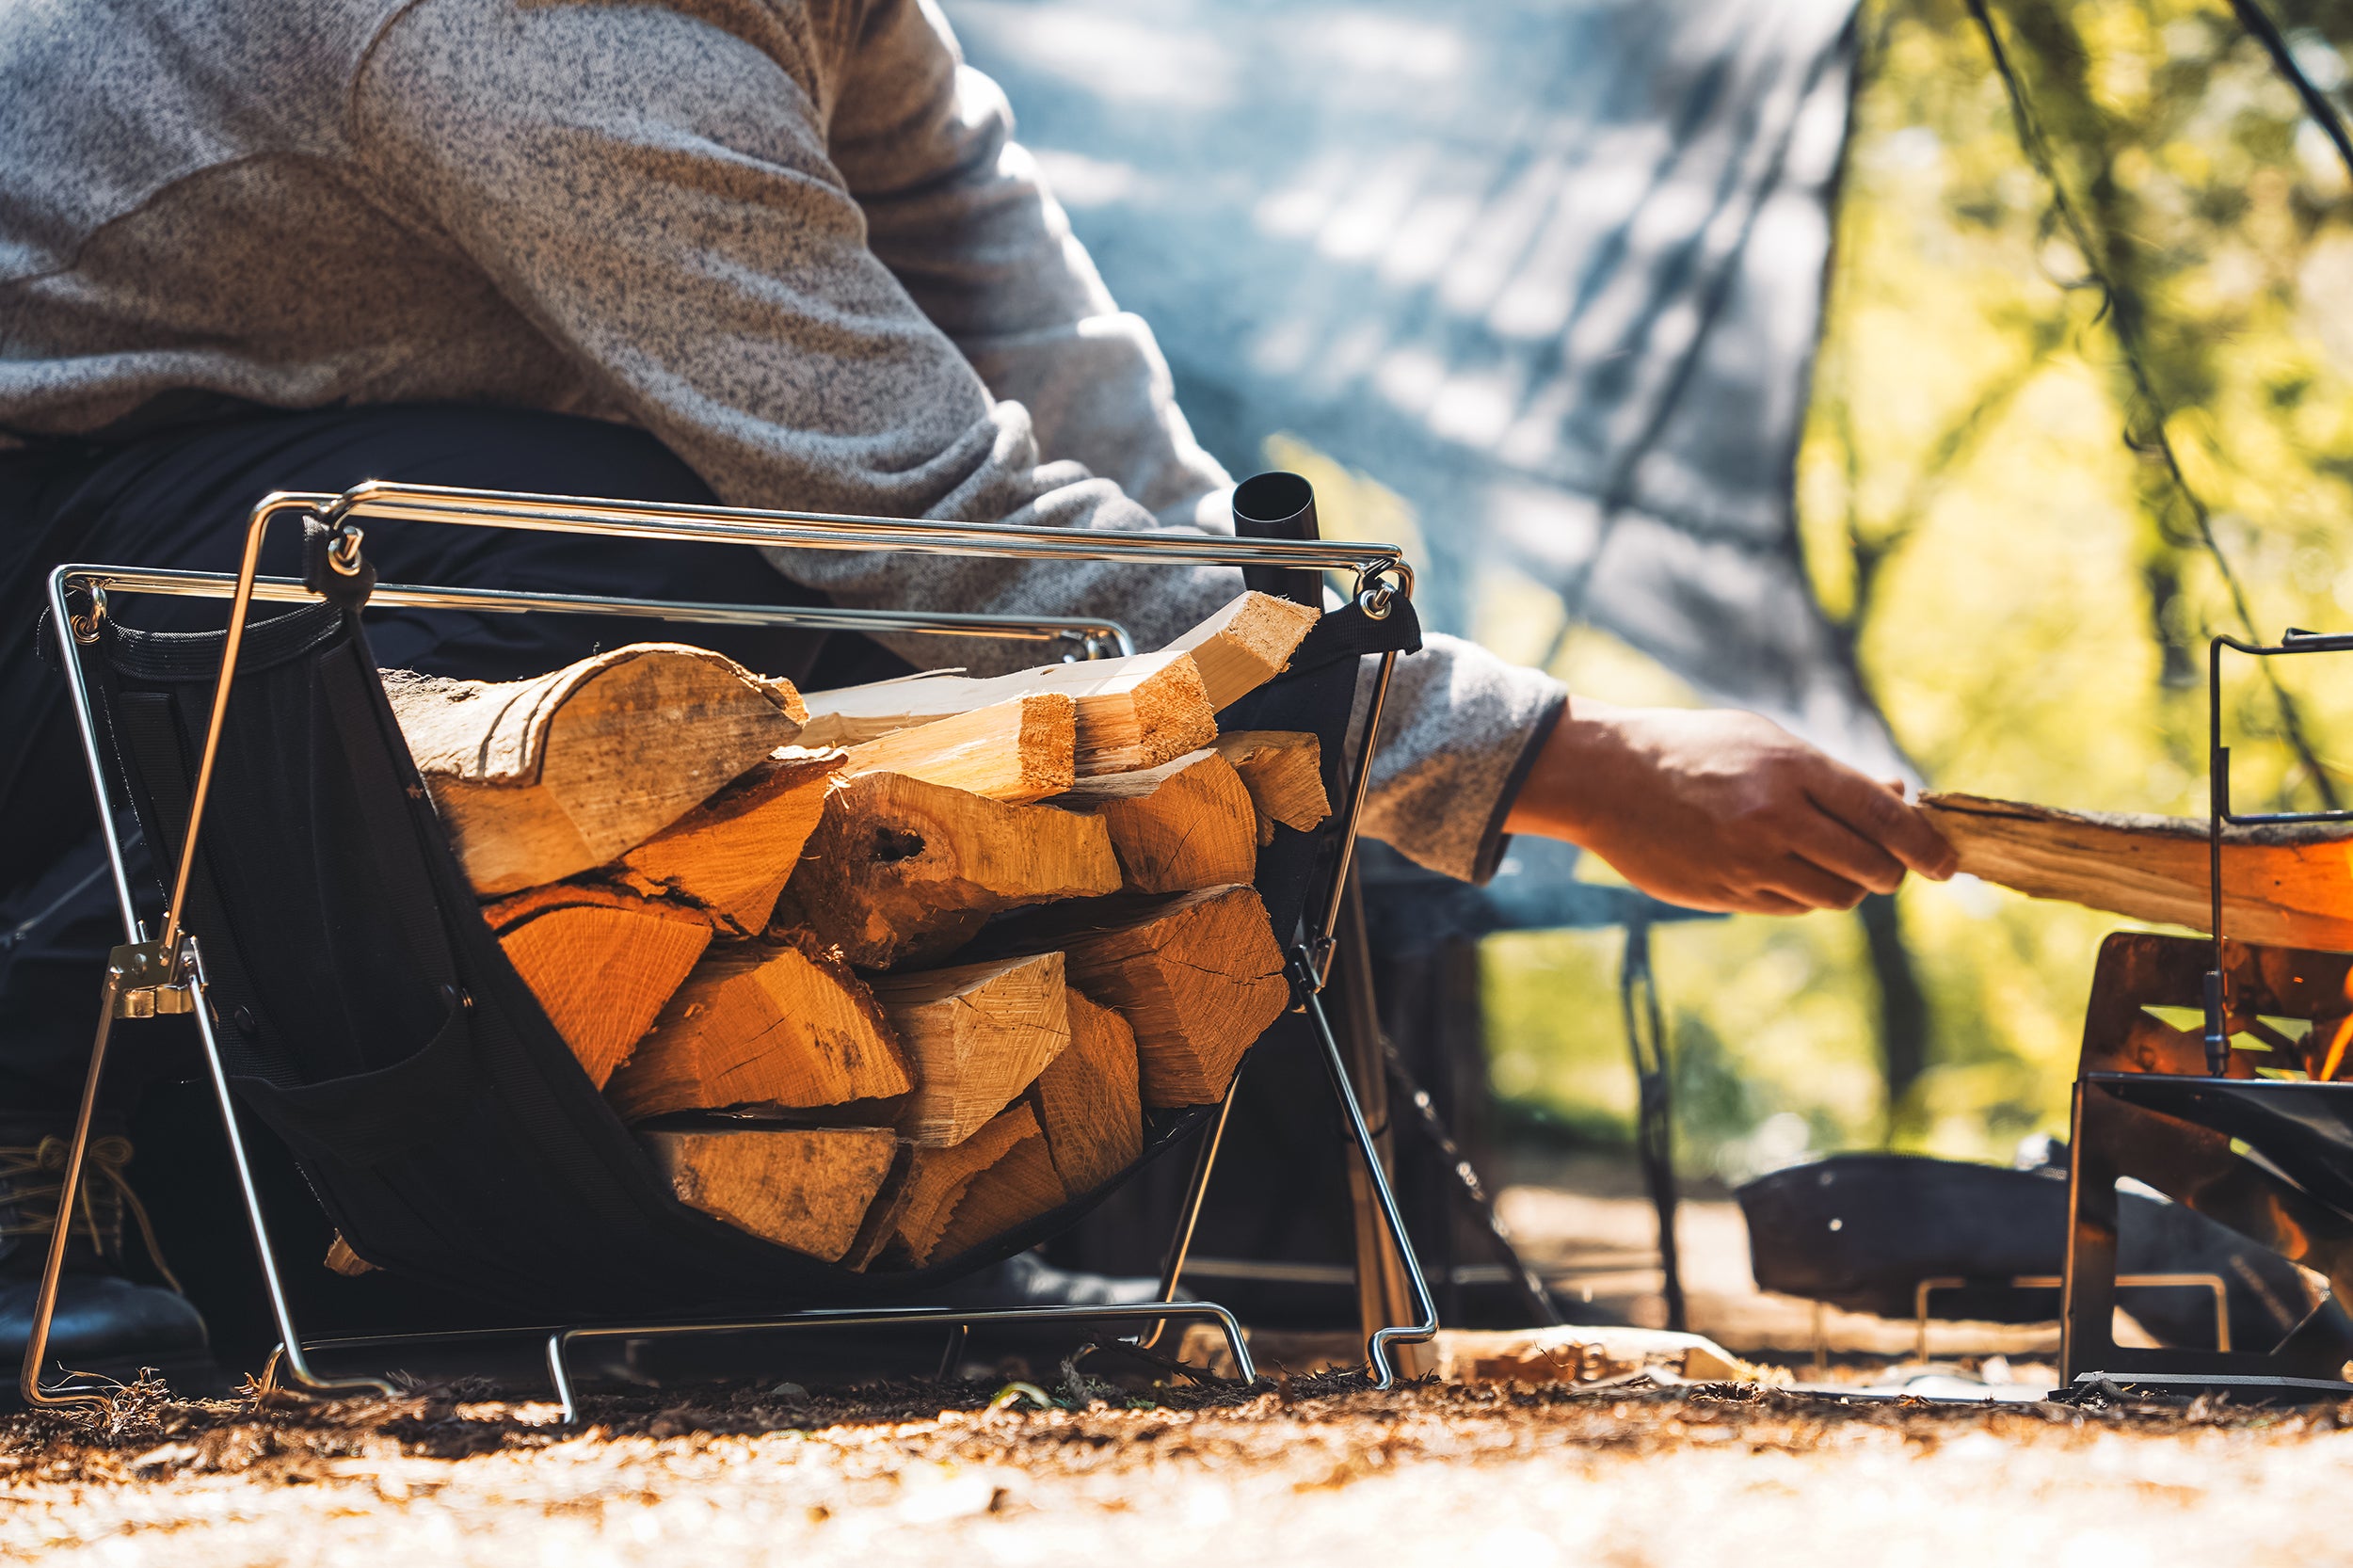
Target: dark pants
{"points": [[181, 500]]}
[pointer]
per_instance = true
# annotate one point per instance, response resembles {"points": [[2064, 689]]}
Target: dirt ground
{"points": [[1314, 1471]]}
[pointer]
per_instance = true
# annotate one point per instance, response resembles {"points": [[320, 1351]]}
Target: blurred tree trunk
{"points": [[1903, 1010]]}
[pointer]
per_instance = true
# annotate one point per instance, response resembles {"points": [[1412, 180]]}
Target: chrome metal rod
{"points": [[295, 1362], [1377, 1347], [1322, 949], [831, 531], [560, 1340], [60, 1233], [1189, 1211], [288, 590], [70, 654]]}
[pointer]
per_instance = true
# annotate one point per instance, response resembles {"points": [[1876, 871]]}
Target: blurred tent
{"points": [[1551, 272]]}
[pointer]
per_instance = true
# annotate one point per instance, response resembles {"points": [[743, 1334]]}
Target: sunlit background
{"points": [[1735, 351]]}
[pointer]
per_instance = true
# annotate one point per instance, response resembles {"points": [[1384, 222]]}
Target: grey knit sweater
{"points": [[793, 239]]}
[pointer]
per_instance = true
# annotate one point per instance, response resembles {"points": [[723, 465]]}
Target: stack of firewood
{"points": [[879, 973]]}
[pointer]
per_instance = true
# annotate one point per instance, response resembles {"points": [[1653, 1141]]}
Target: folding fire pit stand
{"points": [[2198, 1119], [165, 974]]}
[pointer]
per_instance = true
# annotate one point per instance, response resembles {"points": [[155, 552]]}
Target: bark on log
{"points": [[1016, 751], [763, 1023], [1199, 977], [1184, 824], [601, 962], [1087, 1099], [1133, 712], [976, 1037], [732, 855], [937, 1177], [804, 1188], [2289, 885], [903, 872], [1245, 645], [1282, 770], [537, 780]]}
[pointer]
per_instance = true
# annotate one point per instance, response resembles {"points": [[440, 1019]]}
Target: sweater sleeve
{"points": [[665, 192]]}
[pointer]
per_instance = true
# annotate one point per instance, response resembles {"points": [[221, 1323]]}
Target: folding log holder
{"points": [[163, 973], [2202, 1119]]}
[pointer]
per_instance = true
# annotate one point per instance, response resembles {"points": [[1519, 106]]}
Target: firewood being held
{"points": [[733, 854], [1184, 824], [1086, 1100], [975, 1037], [804, 1188], [1282, 770], [601, 962]]}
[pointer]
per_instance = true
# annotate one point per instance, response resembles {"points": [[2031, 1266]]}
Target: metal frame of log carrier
{"points": [[163, 974]]}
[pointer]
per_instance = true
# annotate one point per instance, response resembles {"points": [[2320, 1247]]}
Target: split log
{"points": [[763, 1023], [1016, 751], [937, 1178], [1133, 712], [1018, 1186], [1245, 645], [901, 871], [2284, 884], [1198, 976], [601, 962], [537, 780], [1282, 770], [1184, 824], [732, 855], [804, 1188], [976, 1037], [1086, 1100]]}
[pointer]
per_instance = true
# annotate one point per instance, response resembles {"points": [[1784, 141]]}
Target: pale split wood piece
{"points": [[1184, 824], [341, 1259], [2287, 885], [732, 855], [602, 962], [1282, 770], [976, 1036], [804, 1188], [1018, 1186], [1016, 751], [1131, 713], [1245, 645], [900, 871], [537, 780], [1087, 1099], [763, 1023], [1198, 976], [937, 1177]]}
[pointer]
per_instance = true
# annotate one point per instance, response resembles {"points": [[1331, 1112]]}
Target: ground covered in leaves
{"points": [[1312, 1471]]}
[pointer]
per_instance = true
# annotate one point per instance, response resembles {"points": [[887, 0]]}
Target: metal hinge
{"points": [[149, 983]]}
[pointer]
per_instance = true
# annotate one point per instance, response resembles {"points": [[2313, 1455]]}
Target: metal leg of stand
{"points": [[1377, 1345], [60, 1234], [1189, 1213], [952, 1351], [290, 1341]]}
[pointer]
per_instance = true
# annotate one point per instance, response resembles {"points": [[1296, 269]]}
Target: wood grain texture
{"points": [[804, 1188], [732, 855], [1184, 824], [937, 1177], [1018, 1186], [1199, 977], [903, 872], [1245, 645], [601, 962], [1017, 751], [766, 1023], [975, 1037], [1087, 1099], [2290, 886], [537, 780], [1282, 770]]}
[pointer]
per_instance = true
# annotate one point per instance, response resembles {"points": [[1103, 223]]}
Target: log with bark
{"points": [[763, 1023], [536, 780], [903, 872], [805, 1188], [1198, 976], [976, 1037], [1184, 824], [1133, 712], [1282, 770], [602, 962], [2290, 886]]}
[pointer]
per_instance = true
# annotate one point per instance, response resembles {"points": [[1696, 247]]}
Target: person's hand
{"points": [[1722, 810]]}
